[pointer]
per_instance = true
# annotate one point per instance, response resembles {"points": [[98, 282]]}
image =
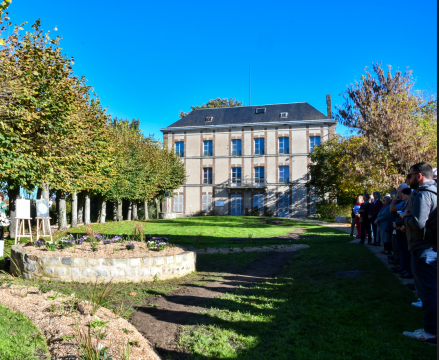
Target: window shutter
{"points": [[178, 203], [204, 203], [209, 202]]}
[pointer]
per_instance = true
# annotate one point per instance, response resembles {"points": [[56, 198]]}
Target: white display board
{"points": [[23, 209], [219, 203], [42, 208]]}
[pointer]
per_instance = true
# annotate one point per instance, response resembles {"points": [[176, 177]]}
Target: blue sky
{"points": [[149, 60]]}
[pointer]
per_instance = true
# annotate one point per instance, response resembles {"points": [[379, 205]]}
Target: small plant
{"points": [[67, 337], [124, 350], [134, 342], [52, 308], [87, 350], [91, 238], [115, 250], [53, 297], [130, 246], [138, 232], [44, 288], [125, 330], [100, 295], [98, 323], [51, 246], [40, 243], [66, 241], [156, 278]]}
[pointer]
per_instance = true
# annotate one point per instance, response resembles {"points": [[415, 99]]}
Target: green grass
{"points": [[309, 313], [201, 232], [20, 339]]}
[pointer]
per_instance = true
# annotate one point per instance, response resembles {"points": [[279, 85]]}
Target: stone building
{"points": [[244, 157]]}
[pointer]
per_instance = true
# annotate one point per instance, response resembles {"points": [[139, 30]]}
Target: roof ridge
{"points": [[250, 106]]}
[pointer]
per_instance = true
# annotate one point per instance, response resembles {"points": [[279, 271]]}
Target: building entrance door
{"points": [[236, 205], [284, 205]]}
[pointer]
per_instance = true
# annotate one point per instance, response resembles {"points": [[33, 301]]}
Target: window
{"points": [[236, 147], [258, 201], [179, 148], [206, 203], [259, 175], [259, 146], [284, 174], [283, 115], [207, 176], [313, 141], [260, 111], [236, 176], [284, 145], [207, 146], [209, 119], [178, 203]]}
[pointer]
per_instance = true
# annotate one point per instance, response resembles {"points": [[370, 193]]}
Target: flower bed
{"points": [[115, 259]]}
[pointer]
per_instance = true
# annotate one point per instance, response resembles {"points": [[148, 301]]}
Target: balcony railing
{"points": [[207, 181], [207, 153], [284, 151], [180, 153], [247, 183], [259, 152], [236, 153], [284, 180]]}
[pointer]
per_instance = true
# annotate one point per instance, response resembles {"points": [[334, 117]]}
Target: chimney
{"points": [[328, 105]]}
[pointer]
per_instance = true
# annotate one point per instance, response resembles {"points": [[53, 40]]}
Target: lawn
{"points": [[201, 232], [309, 311], [20, 339]]}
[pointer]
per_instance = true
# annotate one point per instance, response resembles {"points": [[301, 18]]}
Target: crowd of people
{"points": [[405, 223]]}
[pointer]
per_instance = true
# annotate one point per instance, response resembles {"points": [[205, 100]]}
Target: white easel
{"points": [[42, 223], [18, 224]]}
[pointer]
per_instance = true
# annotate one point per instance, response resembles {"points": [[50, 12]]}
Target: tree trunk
{"points": [[74, 209], [145, 206], [62, 212], [157, 206], [39, 191], [130, 210], [115, 211], [81, 208], [86, 208], [45, 192], [119, 211], [13, 196], [57, 209], [103, 210], [135, 217]]}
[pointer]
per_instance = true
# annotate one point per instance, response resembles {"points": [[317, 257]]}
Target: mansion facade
{"points": [[247, 157]]}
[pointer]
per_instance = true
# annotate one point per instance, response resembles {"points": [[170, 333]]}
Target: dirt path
{"points": [[161, 319]]}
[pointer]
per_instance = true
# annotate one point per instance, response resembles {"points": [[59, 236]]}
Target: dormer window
{"points": [[283, 115], [260, 111], [209, 119]]}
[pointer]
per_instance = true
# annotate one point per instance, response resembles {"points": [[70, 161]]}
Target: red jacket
{"points": [[375, 209]]}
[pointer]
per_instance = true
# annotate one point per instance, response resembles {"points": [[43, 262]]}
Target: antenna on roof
{"points": [[249, 86]]}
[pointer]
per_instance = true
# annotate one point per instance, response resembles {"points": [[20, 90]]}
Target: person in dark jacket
{"points": [[418, 219], [381, 223], [374, 210], [364, 220]]}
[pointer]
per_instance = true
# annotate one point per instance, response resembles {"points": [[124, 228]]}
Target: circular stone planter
{"points": [[104, 270]]}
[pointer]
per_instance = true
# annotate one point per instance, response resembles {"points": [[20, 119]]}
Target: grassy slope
{"points": [[20, 339], [309, 313]]}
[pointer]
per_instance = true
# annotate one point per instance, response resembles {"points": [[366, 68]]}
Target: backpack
{"points": [[430, 230]]}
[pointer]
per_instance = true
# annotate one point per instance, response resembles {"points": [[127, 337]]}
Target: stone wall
{"points": [[116, 270]]}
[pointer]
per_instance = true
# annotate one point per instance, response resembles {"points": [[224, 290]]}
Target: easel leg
{"points": [[38, 228], [16, 230]]}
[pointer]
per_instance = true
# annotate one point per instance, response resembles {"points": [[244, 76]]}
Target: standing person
{"points": [[374, 210], [3, 207], [381, 224], [355, 210], [364, 220], [420, 220], [396, 205]]}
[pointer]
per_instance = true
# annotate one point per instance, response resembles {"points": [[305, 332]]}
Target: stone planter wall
{"points": [[104, 270]]}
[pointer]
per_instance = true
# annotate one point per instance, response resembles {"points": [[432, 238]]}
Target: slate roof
{"points": [[247, 114]]}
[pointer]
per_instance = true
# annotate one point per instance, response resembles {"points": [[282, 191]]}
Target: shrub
{"points": [[329, 210]]}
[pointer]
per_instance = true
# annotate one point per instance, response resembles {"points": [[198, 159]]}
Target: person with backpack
{"points": [[420, 222]]}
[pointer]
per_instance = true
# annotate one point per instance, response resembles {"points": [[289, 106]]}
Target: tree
{"points": [[344, 167], [392, 116], [214, 103]]}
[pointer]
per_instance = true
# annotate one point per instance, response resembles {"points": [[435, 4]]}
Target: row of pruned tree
{"points": [[55, 134]]}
